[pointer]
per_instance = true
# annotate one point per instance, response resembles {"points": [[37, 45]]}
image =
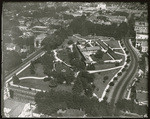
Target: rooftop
{"points": [[15, 108]]}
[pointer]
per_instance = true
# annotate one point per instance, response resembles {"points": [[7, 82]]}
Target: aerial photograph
{"points": [[74, 59]]}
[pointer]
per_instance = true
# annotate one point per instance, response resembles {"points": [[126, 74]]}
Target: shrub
{"points": [[111, 83], [46, 79], [52, 83], [105, 77], [123, 69], [120, 73], [107, 90], [128, 57], [127, 52], [126, 66], [105, 98], [115, 78], [128, 60]]}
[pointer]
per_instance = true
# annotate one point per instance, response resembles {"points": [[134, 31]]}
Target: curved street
{"points": [[120, 88]]}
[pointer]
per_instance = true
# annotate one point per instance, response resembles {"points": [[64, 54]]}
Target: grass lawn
{"points": [[142, 85], [38, 71], [99, 81], [104, 66], [119, 50], [63, 55], [105, 57], [142, 96], [113, 44]]}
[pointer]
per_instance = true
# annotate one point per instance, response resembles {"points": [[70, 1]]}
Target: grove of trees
{"points": [[50, 102], [11, 59]]}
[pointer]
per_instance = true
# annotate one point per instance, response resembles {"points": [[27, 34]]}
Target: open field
{"points": [[39, 72], [113, 44], [100, 86]]}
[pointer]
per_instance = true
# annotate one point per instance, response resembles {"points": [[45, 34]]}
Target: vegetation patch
{"points": [[113, 44], [100, 83]]}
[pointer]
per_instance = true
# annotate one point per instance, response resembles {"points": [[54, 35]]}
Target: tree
{"points": [[84, 82], [77, 87], [16, 79], [60, 77], [16, 32], [87, 76], [69, 78], [52, 83], [115, 78], [99, 54], [105, 77], [46, 79], [111, 83], [120, 73], [89, 91], [78, 64]]}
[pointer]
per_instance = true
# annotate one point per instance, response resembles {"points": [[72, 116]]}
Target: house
{"points": [[10, 46], [142, 40], [13, 108], [144, 46], [141, 27]]}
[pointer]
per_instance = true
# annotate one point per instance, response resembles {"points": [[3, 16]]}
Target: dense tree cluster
{"points": [[84, 82], [50, 102], [11, 59]]}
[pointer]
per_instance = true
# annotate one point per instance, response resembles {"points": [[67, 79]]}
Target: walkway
{"points": [[96, 71], [33, 77]]}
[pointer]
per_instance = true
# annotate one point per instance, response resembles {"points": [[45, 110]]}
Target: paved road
{"points": [[129, 75], [24, 64]]}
